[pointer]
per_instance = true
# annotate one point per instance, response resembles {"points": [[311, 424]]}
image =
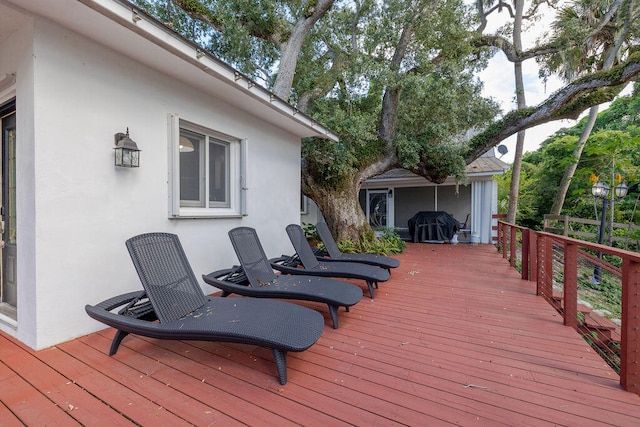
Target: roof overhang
{"points": [[482, 169], [128, 30]]}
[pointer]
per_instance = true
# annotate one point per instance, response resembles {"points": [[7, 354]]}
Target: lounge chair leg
{"points": [[333, 310], [376, 284], [347, 309], [117, 339], [370, 285], [225, 294], [281, 364]]}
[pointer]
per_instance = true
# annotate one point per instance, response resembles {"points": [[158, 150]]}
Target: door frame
{"points": [[8, 249], [388, 192]]}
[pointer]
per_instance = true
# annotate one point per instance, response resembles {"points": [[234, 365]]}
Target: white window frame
{"points": [[236, 204]]}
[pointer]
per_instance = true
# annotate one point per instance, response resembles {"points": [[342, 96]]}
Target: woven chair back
{"points": [[251, 255], [301, 245], [327, 239], [166, 275]]}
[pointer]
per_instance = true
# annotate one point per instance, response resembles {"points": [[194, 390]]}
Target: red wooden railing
{"points": [[535, 252]]}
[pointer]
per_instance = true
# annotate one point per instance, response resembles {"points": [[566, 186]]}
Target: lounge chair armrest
{"points": [[222, 273], [233, 275], [286, 265], [133, 313], [120, 300], [287, 261]]}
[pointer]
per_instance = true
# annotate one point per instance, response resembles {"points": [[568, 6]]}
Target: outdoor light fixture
{"points": [[127, 154], [186, 146], [621, 190], [600, 190]]}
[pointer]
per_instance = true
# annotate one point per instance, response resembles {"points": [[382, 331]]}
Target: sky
{"points": [[498, 79], [499, 84]]}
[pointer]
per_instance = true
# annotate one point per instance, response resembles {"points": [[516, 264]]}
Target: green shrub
{"points": [[310, 231], [388, 244]]}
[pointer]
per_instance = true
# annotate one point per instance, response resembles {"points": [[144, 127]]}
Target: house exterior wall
{"points": [[75, 209]]}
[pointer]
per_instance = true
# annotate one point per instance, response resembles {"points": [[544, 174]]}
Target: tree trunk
{"points": [[565, 182], [341, 210], [514, 191], [290, 50]]}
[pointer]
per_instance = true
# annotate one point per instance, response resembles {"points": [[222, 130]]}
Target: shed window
{"points": [[208, 171]]}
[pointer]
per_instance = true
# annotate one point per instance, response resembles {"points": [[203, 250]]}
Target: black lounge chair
{"points": [[335, 254], [313, 267], [257, 279], [173, 296]]}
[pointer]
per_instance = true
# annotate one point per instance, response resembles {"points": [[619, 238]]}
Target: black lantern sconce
{"points": [[127, 153]]}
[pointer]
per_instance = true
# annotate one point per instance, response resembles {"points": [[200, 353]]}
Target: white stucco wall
{"points": [[75, 209]]}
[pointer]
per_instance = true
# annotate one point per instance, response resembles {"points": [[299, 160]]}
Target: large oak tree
{"points": [[394, 78]]}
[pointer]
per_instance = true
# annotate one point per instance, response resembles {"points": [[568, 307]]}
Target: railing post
{"points": [[545, 268], [533, 255], [504, 240], [513, 247], [525, 254], [570, 285], [630, 345], [540, 271]]}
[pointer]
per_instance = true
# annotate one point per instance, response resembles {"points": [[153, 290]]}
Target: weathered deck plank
{"points": [[455, 337]]}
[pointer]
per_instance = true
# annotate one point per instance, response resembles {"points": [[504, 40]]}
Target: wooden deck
{"points": [[455, 337]]}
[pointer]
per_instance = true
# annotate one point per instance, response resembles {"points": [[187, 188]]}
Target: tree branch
{"points": [[567, 103], [606, 19], [510, 51], [200, 12], [484, 13]]}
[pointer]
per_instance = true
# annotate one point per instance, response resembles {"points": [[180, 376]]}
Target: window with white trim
{"points": [[207, 172]]}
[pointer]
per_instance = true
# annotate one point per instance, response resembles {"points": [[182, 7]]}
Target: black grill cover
{"points": [[432, 225]]}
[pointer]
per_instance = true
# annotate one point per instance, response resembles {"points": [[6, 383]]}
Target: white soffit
{"points": [[116, 24]]}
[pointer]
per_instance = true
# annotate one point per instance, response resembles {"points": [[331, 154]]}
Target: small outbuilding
{"points": [[114, 125], [394, 197]]}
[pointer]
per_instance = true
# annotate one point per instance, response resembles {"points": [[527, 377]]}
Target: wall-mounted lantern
{"points": [[127, 153]]}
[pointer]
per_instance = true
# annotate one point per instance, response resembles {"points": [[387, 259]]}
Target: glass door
{"points": [[377, 208], [8, 287]]}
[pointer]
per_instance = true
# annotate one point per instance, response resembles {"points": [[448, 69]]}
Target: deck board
{"points": [[455, 337]]}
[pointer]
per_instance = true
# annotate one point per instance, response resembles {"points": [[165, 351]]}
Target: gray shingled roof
{"points": [[489, 165]]}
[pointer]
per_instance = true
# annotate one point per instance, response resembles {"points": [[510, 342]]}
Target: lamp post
{"points": [[600, 190]]}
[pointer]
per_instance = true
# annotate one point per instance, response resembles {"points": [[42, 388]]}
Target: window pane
{"points": [[191, 171], [218, 172]]}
